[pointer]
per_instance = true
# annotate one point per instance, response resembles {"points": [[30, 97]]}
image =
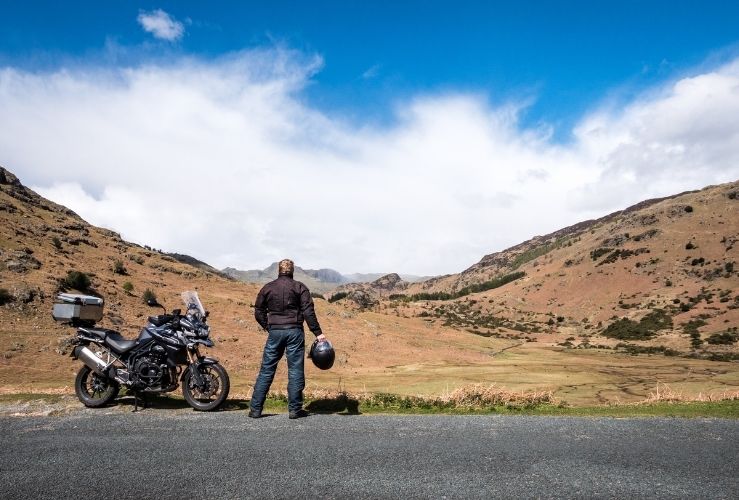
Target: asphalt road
{"points": [[167, 454]]}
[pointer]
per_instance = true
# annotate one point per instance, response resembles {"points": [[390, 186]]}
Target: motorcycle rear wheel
{"points": [[213, 395], [94, 390]]}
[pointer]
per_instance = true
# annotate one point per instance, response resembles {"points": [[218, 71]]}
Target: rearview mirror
{"points": [[153, 303]]}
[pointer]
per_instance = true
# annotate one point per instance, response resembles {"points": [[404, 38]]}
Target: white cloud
{"points": [[371, 72], [161, 25], [225, 161]]}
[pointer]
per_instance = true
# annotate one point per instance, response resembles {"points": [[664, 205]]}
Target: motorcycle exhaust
{"points": [[90, 359]]}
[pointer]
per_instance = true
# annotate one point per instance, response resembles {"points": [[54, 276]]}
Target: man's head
{"points": [[286, 268]]}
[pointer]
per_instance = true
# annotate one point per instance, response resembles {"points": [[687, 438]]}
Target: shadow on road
{"points": [[342, 405]]}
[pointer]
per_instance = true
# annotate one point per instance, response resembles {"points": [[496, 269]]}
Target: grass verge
{"points": [[470, 400]]}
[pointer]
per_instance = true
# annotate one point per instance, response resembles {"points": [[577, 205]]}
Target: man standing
{"points": [[280, 308]]}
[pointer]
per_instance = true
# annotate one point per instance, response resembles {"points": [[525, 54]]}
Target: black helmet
{"points": [[322, 353]]}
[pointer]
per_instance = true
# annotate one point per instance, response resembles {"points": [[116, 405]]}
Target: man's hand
{"points": [[321, 338]]}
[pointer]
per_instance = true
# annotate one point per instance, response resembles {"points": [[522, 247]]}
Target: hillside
{"points": [[677, 254], [544, 329], [40, 242]]}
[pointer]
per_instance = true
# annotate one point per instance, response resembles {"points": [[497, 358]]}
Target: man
{"points": [[280, 308]]}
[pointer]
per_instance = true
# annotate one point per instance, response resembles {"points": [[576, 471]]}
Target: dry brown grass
{"points": [[666, 394], [471, 397]]}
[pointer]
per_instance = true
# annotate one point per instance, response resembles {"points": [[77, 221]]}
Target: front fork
{"points": [[194, 356]]}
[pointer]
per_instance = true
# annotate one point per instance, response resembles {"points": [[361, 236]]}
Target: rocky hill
{"points": [[677, 256]]}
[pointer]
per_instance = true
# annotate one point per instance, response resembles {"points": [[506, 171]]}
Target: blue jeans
{"points": [[278, 343]]}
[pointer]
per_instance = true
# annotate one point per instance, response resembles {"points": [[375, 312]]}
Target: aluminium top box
{"points": [[70, 308]]}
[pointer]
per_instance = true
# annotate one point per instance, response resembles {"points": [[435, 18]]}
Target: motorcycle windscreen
{"points": [[192, 301]]}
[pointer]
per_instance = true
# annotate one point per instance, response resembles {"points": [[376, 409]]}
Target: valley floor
{"points": [[578, 377]]}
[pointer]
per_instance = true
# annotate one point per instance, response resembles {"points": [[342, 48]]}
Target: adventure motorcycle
{"points": [[153, 363]]}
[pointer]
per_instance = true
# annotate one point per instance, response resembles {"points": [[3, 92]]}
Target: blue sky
{"points": [[560, 57], [411, 137]]}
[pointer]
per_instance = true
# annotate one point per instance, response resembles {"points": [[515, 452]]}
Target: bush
{"points": [[337, 296], [645, 329], [128, 287], [599, 252], [723, 338], [5, 297], [57, 243], [317, 296], [119, 268], [399, 296], [148, 295], [469, 289], [490, 285], [136, 258], [77, 280]]}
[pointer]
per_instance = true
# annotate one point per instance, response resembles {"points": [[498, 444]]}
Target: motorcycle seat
{"points": [[118, 342]]}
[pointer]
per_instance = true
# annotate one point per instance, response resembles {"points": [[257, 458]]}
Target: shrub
{"points": [[77, 280], [657, 320], [57, 243], [688, 208], [128, 287], [338, 296], [560, 319], [645, 329], [317, 295], [399, 296], [119, 268], [469, 289], [729, 266], [490, 285], [136, 258], [637, 349], [148, 295], [599, 252], [725, 338], [5, 297]]}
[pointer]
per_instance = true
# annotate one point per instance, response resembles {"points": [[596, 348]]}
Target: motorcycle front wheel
{"points": [[94, 390], [214, 392]]}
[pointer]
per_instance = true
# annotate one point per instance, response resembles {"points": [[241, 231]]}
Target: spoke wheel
{"points": [[94, 390], [214, 391]]}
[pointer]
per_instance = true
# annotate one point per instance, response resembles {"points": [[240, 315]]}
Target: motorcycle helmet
{"points": [[322, 353]]}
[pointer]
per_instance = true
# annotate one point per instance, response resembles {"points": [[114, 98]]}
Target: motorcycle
{"points": [[165, 352]]}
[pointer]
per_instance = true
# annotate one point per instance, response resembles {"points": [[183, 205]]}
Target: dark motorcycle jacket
{"points": [[285, 303]]}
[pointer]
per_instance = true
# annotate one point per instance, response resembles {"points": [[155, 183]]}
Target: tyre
{"points": [[94, 390], [213, 394]]}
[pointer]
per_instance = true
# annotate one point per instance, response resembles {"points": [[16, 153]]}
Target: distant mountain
{"points": [[186, 259], [318, 280]]}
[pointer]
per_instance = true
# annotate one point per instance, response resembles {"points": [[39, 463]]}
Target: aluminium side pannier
{"points": [[73, 308]]}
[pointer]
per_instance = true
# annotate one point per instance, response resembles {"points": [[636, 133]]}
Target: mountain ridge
{"points": [[317, 280]]}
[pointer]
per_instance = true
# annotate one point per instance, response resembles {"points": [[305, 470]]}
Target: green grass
{"points": [[392, 405]]}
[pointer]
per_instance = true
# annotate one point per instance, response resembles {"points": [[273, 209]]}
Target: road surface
{"points": [[178, 454]]}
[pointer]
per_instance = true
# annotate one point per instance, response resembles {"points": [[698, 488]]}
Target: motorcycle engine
{"points": [[150, 369]]}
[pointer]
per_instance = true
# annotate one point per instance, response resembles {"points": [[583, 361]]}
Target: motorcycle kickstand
{"points": [[136, 402]]}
